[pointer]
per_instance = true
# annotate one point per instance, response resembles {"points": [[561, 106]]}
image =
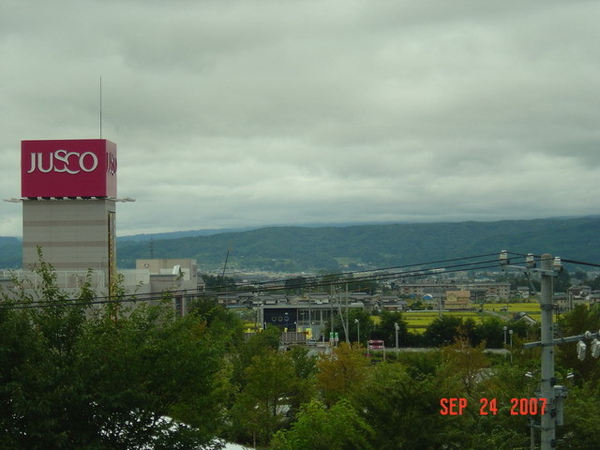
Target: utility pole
{"points": [[553, 394], [347, 329], [548, 429], [548, 270]]}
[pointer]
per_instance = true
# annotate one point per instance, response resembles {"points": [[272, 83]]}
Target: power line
{"points": [[478, 262]]}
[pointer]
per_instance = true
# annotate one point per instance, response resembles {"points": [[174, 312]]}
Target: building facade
{"points": [[68, 192]]}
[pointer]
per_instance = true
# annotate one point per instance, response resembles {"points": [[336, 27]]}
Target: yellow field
{"points": [[531, 308], [419, 320]]}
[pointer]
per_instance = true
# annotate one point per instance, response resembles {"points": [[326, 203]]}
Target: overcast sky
{"points": [[265, 112]]}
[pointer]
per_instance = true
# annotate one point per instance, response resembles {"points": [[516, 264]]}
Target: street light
{"points": [[397, 328], [358, 329]]}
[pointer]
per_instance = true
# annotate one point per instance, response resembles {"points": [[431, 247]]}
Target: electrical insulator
{"points": [[596, 348], [581, 347], [557, 264], [560, 393]]}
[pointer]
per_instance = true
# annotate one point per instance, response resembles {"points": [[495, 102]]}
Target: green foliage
{"points": [[563, 281], [146, 366], [421, 365], [219, 283], [11, 253], [294, 249], [594, 284], [351, 316], [304, 388], [443, 330], [386, 330], [464, 365], [225, 326], [319, 428], [340, 373], [582, 427], [404, 412], [491, 331], [577, 322], [73, 375], [76, 376], [295, 286], [257, 344], [261, 407]]}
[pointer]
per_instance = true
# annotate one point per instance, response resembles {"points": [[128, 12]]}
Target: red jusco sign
{"points": [[69, 168]]}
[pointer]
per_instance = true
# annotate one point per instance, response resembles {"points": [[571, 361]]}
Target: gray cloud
{"points": [[268, 112]]}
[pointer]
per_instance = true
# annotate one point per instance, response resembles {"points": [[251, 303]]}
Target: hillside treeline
{"points": [[296, 249]]}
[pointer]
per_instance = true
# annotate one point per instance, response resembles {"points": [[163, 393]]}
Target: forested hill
{"points": [[11, 254], [294, 249]]}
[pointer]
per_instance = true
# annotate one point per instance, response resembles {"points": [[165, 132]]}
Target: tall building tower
{"points": [[69, 190]]}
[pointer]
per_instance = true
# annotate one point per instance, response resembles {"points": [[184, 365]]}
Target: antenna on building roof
{"points": [[100, 106]]}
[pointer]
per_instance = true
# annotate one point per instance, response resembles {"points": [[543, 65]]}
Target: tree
{"points": [[319, 428], [404, 410], [295, 286], [219, 283], [350, 317], [443, 330], [242, 355], [490, 331], [577, 322], [261, 407], [147, 366], [340, 373], [464, 365], [39, 346], [77, 376], [369, 287], [386, 329], [224, 326], [582, 427], [305, 367], [563, 281], [595, 283]]}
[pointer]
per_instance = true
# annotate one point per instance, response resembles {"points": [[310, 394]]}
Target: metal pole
{"points": [[548, 428], [347, 318], [396, 327]]}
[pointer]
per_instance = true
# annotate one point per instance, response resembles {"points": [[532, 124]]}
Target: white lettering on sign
{"points": [[64, 161]]}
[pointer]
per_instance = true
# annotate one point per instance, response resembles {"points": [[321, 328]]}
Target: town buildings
{"points": [[69, 198]]}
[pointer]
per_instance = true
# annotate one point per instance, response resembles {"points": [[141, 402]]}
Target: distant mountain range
{"points": [[11, 255], [332, 248], [336, 248]]}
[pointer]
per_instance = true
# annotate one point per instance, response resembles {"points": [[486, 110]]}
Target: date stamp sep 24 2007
{"points": [[456, 406]]}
